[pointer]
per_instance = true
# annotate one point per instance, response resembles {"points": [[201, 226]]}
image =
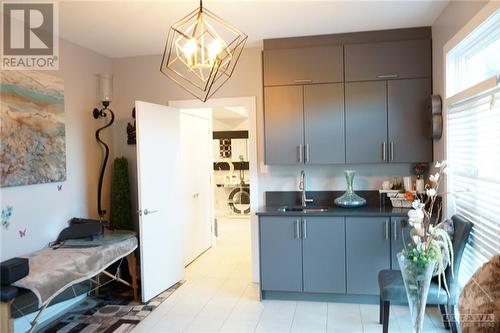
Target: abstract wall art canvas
{"points": [[32, 146]]}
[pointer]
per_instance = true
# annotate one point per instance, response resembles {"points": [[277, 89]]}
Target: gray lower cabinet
{"points": [[280, 253], [284, 126], [366, 122], [324, 131], [368, 249], [324, 254], [304, 65], [397, 232], [409, 121], [388, 60]]}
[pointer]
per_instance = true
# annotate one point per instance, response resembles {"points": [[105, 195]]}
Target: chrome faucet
{"points": [[302, 187]]}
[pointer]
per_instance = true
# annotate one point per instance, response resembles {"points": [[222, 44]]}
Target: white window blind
{"points": [[473, 154]]}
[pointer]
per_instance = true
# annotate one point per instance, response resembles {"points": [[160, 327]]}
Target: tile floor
{"points": [[218, 296]]}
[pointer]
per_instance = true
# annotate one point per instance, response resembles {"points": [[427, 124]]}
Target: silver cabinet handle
{"points": [[387, 76], [306, 153], [391, 152], [148, 212], [386, 229], [304, 228], [395, 230], [300, 153], [384, 151], [297, 226], [302, 81]]}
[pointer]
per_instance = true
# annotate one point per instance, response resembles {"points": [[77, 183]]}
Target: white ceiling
{"points": [[133, 28]]}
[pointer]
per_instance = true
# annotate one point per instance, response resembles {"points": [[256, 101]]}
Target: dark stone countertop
{"points": [[338, 211], [376, 205]]}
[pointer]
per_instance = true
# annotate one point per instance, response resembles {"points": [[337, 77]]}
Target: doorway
{"points": [[197, 194], [233, 173]]}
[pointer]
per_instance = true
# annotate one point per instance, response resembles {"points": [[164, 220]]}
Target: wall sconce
{"points": [[434, 106], [104, 96]]}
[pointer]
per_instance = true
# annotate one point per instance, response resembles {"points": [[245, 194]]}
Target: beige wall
{"points": [[451, 20], [42, 209]]}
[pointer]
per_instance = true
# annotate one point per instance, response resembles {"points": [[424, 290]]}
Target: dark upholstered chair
{"points": [[392, 287]]}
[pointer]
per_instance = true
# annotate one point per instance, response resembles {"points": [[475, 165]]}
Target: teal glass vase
{"points": [[350, 199]]}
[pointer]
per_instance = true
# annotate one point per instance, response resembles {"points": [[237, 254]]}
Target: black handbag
{"points": [[81, 228]]}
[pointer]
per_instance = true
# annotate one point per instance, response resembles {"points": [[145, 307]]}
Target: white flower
{"points": [[416, 215], [416, 240], [416, 204], [434, 178], [431, 192], [440, 164]]}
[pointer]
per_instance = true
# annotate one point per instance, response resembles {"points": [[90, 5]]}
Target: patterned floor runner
{"points": [[112, 311]]}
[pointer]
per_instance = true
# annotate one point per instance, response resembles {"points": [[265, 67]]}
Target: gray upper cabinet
{"points": [[280, 253], [388, 60], [366, 122], [284, 127], [324, 124], [409, 121], [321, 64], [367, 251], [324, 254]]}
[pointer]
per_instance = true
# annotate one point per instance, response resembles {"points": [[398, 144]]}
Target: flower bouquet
{"points": [[430, 250]]}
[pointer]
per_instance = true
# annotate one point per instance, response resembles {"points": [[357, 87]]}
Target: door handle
{"points": [[304, 228], [386, 229], [394, 230], [384, 151], [297, 226], [148, 212], [196, 195], [302, 81], [391, 152], [387, 76], [306, 153], [300, 153]]}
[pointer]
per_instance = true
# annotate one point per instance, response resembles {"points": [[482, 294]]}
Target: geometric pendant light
{"points": [[201, 52]]}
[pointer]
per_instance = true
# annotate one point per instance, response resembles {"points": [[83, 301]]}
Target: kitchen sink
{"points": [[317, 209]]}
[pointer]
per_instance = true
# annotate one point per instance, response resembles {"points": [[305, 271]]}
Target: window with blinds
{"points": [[473, 139], [473, 133]]}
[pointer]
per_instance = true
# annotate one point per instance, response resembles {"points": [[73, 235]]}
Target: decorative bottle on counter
{"points": [[350, 199]]}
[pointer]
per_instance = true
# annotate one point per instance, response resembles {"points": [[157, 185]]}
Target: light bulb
{"points": [[214, 49], [189, 48]]}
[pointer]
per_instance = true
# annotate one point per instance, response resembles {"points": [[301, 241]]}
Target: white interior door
{"points": [[196, 161], [158, 181]]}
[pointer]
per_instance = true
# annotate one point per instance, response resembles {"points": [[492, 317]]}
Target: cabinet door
{"points": [[388, 60], [366, 122], [324, 254], [324, 127], [283, 125], [368, 250], [280, 253], [410, 129], [397, 239], [321, 64]]}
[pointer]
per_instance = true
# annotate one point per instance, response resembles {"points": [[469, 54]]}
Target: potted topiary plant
{"points": [[121, 208]]}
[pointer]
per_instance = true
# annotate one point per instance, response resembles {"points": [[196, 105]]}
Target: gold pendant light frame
{"points": [[201, 52]]}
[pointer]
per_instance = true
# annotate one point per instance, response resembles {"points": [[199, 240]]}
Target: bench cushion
{"points": [[7, 293]]}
